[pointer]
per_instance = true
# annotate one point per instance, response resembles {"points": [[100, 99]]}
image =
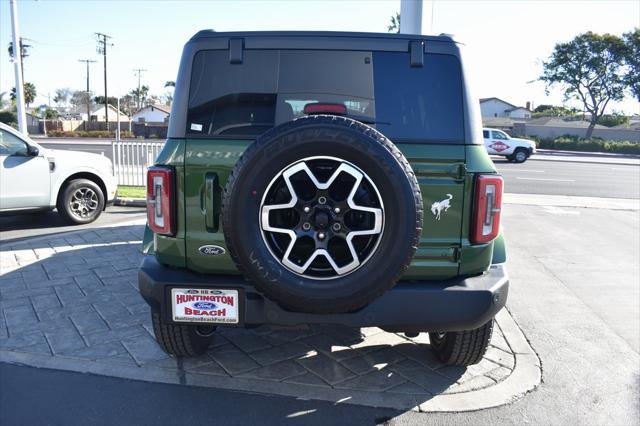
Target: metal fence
{"points": [[131, 159]]}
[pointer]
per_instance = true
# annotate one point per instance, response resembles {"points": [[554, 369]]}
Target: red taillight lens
{"points": [[324, 108], [487, 208], [160, 200]]}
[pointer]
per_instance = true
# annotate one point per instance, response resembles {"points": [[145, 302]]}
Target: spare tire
{"points": [[322, 214]]}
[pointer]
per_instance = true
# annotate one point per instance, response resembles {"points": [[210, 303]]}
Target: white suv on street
{"points": [[498, 142], [32, 178]]}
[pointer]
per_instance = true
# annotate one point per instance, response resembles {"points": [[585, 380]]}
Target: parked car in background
{"points": [[498, 142], [33, 178]]}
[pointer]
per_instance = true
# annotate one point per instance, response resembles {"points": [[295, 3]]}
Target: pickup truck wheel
{"points": [[182, 340], [462, 348], [80, 201], [520, 155], [322, 214]]}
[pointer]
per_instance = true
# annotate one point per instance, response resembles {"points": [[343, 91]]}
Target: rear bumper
{"points": [[450, 305]]}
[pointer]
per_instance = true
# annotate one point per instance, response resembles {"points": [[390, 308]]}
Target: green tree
{"points": [[394, 27], [30, 93], [112, 100], [588, 68], [51, 114], [552, 111], [62, 96], [140, 95], [169, 84], [79, 100], [632, 61]]}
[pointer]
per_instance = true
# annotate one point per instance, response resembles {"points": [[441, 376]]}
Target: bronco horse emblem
{"points": [[439, 206]]}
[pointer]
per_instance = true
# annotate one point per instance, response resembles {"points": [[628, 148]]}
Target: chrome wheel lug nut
{"points": [[306, 226], [337, 210], [321, 235], [306, 209], [336, 226]]}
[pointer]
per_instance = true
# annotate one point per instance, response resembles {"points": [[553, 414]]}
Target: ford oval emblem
{"points": [[211, 250], [205, 306]]}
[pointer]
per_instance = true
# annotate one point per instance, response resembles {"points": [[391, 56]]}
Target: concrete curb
{"points": [[526, 376], [130, 202], [573, 201]]}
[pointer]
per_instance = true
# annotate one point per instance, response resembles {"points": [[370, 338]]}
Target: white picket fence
{"points": [[131, 160]]}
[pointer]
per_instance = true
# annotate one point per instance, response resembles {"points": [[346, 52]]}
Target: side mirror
{"points": [[32, 151]]}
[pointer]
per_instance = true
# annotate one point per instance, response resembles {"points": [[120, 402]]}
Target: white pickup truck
{"points": [[498, 142], [32, 178]]}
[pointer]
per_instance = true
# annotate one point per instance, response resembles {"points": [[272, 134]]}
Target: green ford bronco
{"points": [[324, 178]]}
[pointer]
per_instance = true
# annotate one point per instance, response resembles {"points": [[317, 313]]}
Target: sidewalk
{"points": [[72, 303]]}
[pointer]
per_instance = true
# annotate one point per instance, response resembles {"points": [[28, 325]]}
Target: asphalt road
{"points": [[32, 396], [543, 175], [24, 225]]}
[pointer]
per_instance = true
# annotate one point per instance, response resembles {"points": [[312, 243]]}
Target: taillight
{"points": [[160, 200], [487, 208]]}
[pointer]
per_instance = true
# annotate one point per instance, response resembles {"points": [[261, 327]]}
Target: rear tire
{"points": [[462, 348], [520, 155], [80, 201], [181, 340]]}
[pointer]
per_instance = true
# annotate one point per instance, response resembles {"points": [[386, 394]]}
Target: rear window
{"points": [[273, 86]]}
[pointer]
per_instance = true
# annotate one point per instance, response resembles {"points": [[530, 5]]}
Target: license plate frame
{"points": [[205, 305]]}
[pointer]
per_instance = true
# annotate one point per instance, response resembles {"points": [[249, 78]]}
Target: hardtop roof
{"points": [[205, 34]]}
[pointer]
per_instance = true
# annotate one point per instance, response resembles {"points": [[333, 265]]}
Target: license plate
{"points": [[205, 305]]}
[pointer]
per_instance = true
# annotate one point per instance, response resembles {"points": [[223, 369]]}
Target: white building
{"points": [[152, 114], [497, 108], [99, 113]]}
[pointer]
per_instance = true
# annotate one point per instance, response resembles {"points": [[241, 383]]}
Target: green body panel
{"points": [[474, 259], [203, 166]]}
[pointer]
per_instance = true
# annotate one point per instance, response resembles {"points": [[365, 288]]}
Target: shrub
{"points": [[574, 143], [8, 117]]}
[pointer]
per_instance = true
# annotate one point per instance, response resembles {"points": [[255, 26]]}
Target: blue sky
{"points": [[506, 40]]}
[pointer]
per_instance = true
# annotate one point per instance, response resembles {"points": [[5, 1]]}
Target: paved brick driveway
{"points": [[71, 302]]}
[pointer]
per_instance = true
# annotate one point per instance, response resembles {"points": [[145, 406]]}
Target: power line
{"points": [[102, 49], [88, 61], [138, 72]]}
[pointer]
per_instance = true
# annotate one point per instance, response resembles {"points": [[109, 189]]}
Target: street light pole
{"points": [[17, 65]]}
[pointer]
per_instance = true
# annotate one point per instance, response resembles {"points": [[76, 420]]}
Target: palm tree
{"points": [[29, 93], [169, 83]]}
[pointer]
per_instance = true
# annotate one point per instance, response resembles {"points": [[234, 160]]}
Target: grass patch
{"points": [[131, 191]]}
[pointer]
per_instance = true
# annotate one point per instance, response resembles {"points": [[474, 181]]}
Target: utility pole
{"points": [[88, 61], [102, 48], [17, 64], [138, 72]]}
